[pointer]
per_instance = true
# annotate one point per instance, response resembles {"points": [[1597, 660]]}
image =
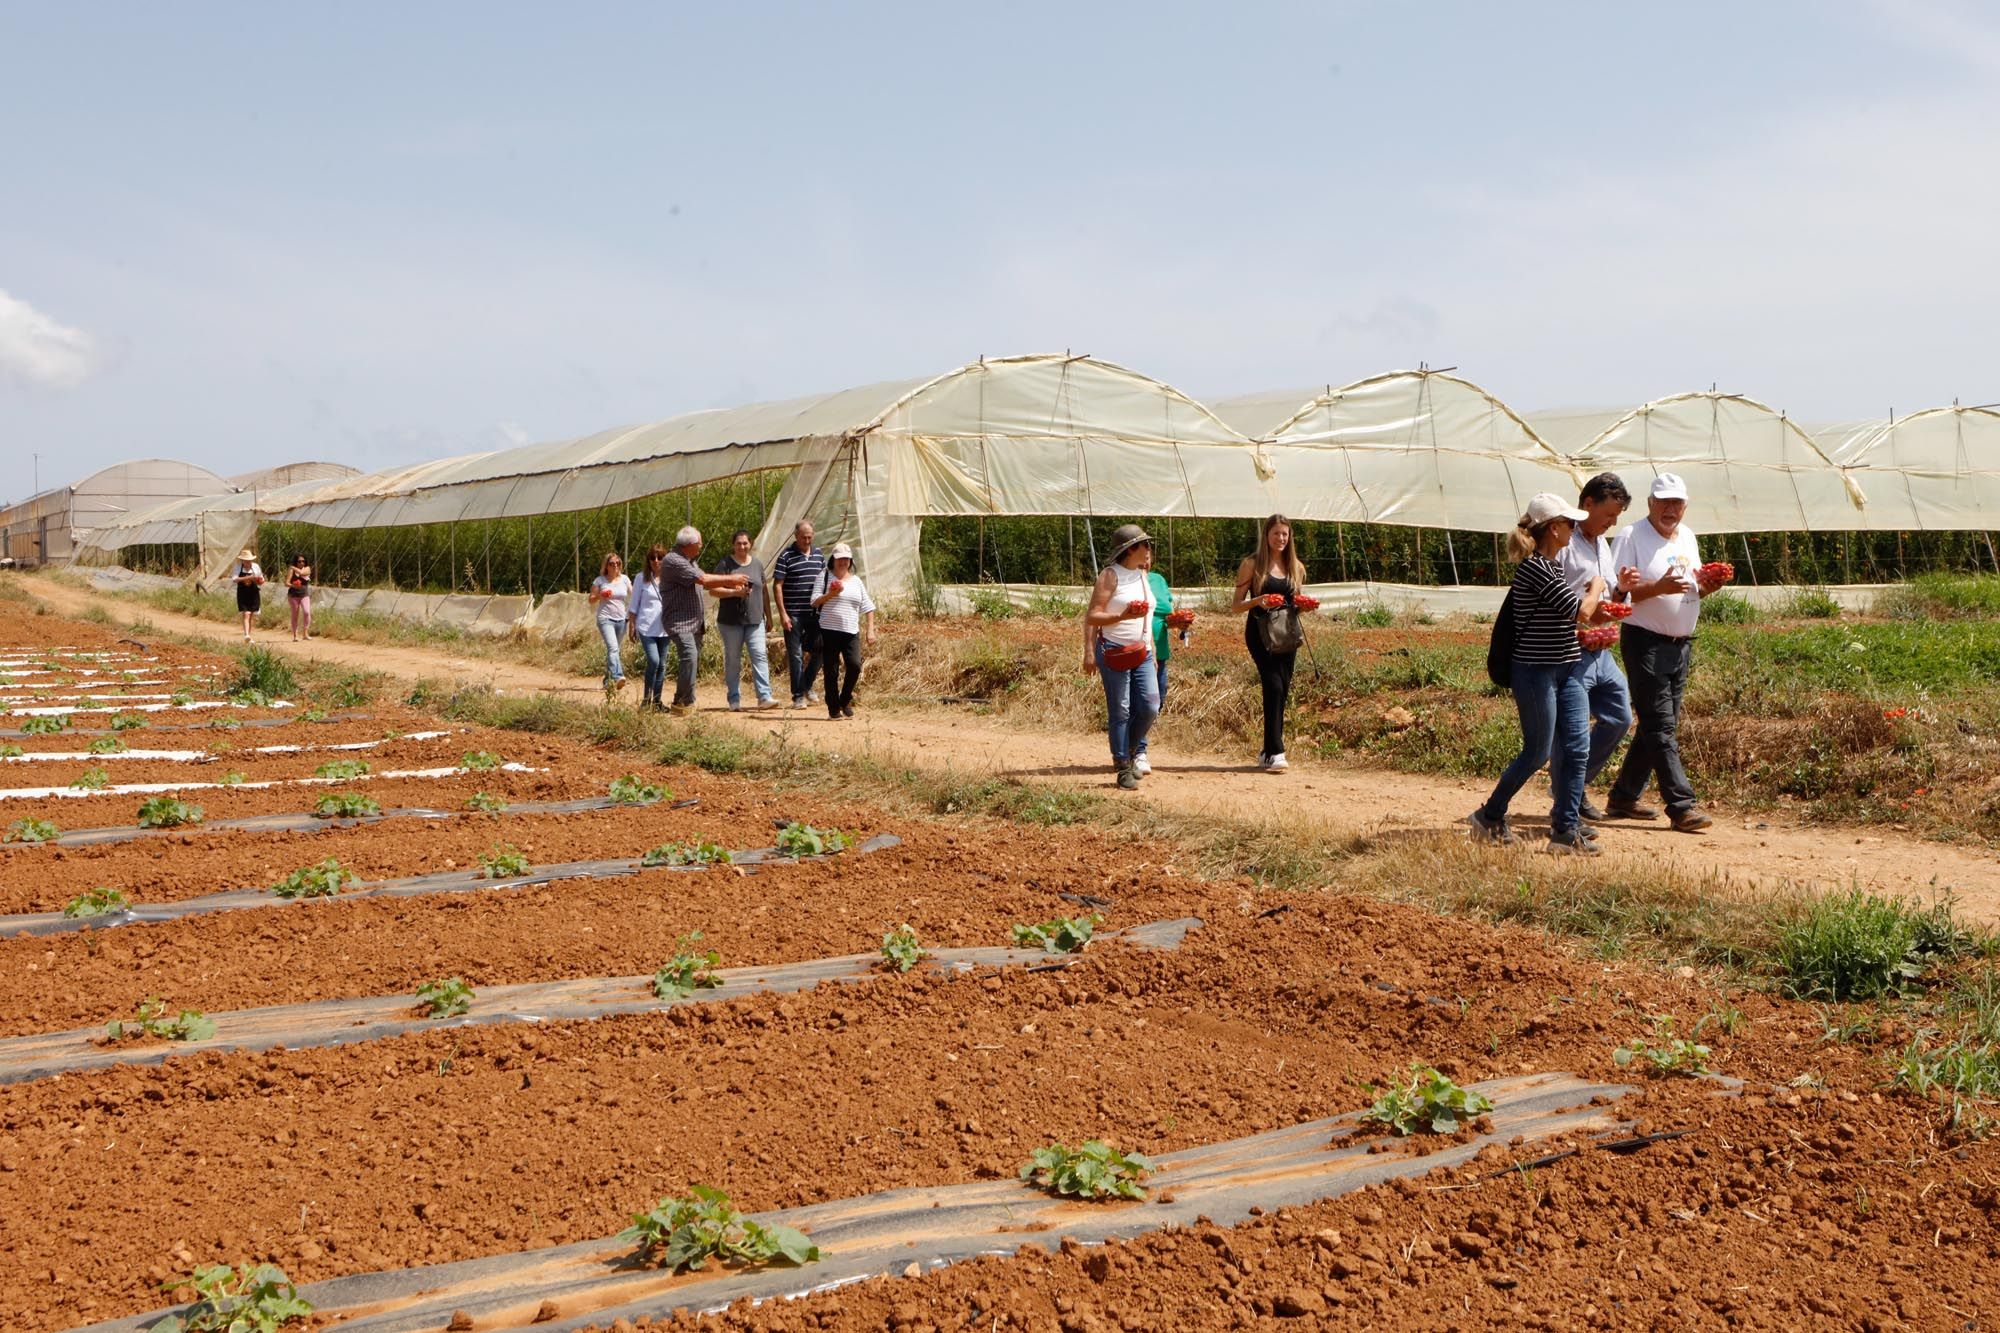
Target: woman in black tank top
{"points": [[1274, 568]]}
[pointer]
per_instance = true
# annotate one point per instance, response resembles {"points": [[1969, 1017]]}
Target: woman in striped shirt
{"points": [[1554, 706]]}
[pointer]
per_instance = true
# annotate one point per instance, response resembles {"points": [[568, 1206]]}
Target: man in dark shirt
{"points": [[796, 575], [681, 612]]}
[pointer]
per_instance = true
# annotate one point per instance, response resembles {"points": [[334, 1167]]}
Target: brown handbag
{"points": [[1124, 657]]}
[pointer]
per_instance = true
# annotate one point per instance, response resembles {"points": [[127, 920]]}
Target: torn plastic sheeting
{"points": [[299, 820], [21, 687], [17, 734], [148, 788], [193, 756], [443, 881], [592, 1283], [374, 1018]]}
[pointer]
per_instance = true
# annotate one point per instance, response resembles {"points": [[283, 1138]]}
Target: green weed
{"points": [[1064, 934], [900, 949], [687, 971]]}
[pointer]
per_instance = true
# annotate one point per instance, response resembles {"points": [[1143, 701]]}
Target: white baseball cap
{"points": [[1669, 486], [1547, 506]]}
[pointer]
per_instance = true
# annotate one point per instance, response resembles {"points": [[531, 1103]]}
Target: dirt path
{"points": [[1750, 847]]}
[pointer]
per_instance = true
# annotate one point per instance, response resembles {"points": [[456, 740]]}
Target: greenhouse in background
{"points": [[50, 528], [1012, 471]]}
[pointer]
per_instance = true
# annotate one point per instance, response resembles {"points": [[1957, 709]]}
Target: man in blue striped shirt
{"points": [[795, 574]]}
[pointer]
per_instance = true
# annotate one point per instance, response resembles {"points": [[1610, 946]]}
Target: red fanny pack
{"points": [[1124, 657]]}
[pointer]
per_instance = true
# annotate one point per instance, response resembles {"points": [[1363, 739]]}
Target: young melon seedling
{"points": [[629, 790], [313, 715], [485, 802], [106, 745], [233, 778], [346, 805], [900, 949], [692, 1230], [92, 779], [152, 1021], [323, 880], [166, 812], [1095, 1170], [1666, 1053], [100, 901], [32, 830], [256, 1300], [46, 725], [479, 759], [342, 770], [1065, 934], [687, 971], [1427, 1102], [693, 853], [797, 839], [503, 861], [445, 997], [9, 750]]}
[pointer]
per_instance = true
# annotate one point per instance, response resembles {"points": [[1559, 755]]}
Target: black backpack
{"points": [[1500, 647]]}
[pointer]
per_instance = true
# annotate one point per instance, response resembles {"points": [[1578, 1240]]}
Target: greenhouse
{"points": [[1081, 442], [51, 527]]}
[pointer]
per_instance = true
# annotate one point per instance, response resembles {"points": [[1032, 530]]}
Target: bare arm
{"points": [[1244, 601], [1593, 596], [1100, 612]]}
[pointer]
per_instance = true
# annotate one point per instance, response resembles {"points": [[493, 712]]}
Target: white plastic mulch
{"points": [[154, 788], [190, 756]]}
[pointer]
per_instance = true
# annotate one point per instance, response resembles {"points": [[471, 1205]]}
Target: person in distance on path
{"points": [[742, 618], [795, 578], [647, 626], [249, 581], [298, 595], [846, 615], [1548, 692], [1163, 605], [1659, 568], [1119, 641], [1587, 557], [681, 611], [610, 594]]}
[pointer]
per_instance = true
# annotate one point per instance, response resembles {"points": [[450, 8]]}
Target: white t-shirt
{"points": [[1132, 586], [613, 607], [1587, 558], [1642, 547], [842, 612]]}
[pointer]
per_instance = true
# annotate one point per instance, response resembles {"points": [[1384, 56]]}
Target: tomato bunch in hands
{"points": [[1616, 610], [1273, 601], [1716, 573], [1179, 619], [1306, 602], [1597, 636]]}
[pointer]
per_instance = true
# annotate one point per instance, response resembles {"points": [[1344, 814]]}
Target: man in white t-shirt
{"points": [[1658, 569], [1587, 557]]}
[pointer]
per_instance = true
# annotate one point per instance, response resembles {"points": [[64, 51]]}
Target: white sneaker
{"points": [[1263, 760], [1143, 765], [1276, 763]]}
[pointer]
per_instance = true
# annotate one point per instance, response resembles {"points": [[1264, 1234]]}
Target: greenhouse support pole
{"points": [[576, 553], [628, 531], [454, 557], [531, 560], [980, 576], [1743, 540], [1989, 554]]}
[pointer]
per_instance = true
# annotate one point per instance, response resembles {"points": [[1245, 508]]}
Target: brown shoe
{"points": [[1616, 809], [1689, 820]]}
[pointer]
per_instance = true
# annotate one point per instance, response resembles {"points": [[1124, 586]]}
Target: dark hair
{"points": [[1605, 486], [741, 532]]}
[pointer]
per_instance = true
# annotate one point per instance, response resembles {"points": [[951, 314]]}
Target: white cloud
{"points": [[40, 353]]}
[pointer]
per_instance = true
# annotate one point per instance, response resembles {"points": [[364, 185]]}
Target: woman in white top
{"points": [[249, 581], [648, 626], [846, 614], [1121, 612], [609, 593]]}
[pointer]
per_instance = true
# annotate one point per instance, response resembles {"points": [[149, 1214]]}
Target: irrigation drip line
{"points": [[377, 1017], [593, 1283]]}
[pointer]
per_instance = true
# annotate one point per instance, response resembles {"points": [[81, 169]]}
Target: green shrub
{"points": [[1054, 604], [1856, 945], [990, 603], [1809, 604], [989, 666], [1727, 608], [263, 672], [1372, 615]]}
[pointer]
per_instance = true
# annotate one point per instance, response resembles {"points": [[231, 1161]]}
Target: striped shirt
{"points": [[797, 574], [1545, 610]]}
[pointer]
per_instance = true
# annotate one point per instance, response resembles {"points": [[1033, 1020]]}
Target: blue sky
{"points": [[250, 234]]}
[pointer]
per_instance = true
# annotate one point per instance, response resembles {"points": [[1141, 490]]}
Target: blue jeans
{"points": [[1555, 712], [735, 638], [1161, 706], [655, 646], [1131, 702], [802, 652], [1610, 706], [612, 632]]}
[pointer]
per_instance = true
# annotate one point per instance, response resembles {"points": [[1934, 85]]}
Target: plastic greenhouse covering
{"points": [[1072, 435]]}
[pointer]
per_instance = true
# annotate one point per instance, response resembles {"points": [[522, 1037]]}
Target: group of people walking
{"points": [[822, 605], [1575, 704]]}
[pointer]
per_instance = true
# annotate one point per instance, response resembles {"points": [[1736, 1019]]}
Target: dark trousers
{"points": [[802, 652], [840, 649], [1658, 670], [1274, 678]]}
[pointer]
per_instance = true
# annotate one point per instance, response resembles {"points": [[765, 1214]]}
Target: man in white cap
{"points": [[1658, 569]]}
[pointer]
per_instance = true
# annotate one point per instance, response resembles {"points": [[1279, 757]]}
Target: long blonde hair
{"points": [[1524, 541], [1261, 564]]}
